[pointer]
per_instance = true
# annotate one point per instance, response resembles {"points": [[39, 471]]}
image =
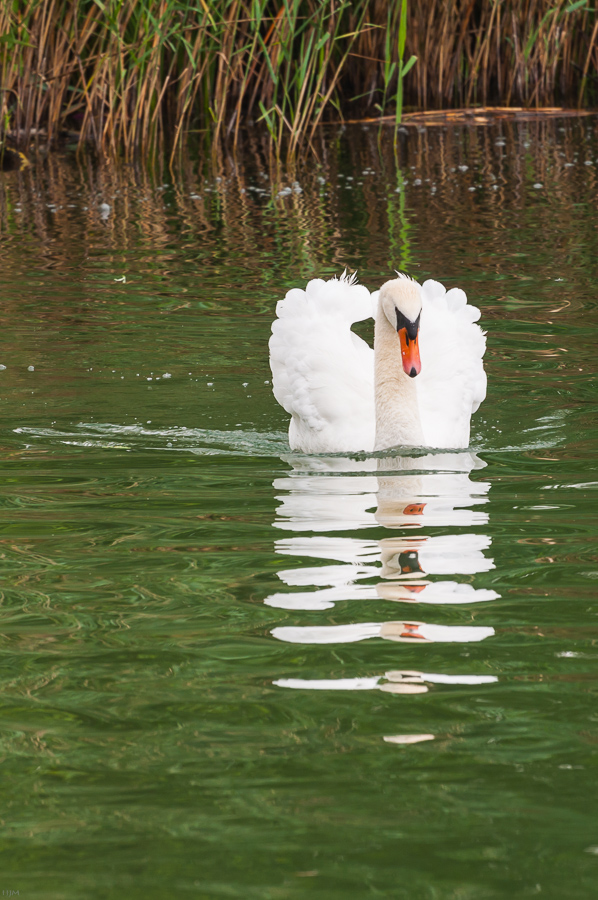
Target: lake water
{"points": [[230, 671]]}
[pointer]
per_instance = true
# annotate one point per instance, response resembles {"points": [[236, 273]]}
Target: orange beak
{"points": [[414, 509], [410, 631], [409, 353], [409, 562]]}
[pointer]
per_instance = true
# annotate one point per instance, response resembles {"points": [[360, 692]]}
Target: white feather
{"points": [[323, 373], [452, 381]]}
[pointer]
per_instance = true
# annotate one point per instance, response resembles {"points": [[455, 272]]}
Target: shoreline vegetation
{"points": [[135, 77]]}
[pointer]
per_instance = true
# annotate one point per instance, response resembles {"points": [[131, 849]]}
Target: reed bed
{"points": [[132, 76]]}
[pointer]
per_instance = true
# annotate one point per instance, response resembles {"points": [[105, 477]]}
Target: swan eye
{"points": [[410, 327]]}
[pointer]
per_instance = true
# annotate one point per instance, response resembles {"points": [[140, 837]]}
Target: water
{"points": [[229, 670]]}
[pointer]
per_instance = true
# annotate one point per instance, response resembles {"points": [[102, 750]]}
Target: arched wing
{"points": [[452, 382], [323, 373]]}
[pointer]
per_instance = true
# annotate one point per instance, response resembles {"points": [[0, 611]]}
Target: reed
{"points": [[131, 76]]}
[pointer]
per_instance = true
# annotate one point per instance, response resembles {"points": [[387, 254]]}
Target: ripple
{"points": [[199, 441]]}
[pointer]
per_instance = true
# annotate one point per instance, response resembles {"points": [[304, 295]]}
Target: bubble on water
{"points": [[538, 186], [245, 384], [31, 368], [104, 210], [166, 375], [2, 368], [210, 383]]}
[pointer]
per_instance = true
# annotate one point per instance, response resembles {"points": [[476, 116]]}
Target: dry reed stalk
{"points": [[129, 75]]}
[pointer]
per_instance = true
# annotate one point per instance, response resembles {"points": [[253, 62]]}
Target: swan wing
{"points": [[323, 373], [452, 381]]}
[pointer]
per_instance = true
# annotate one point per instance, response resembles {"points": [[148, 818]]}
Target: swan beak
{"points": [[409, 563], [409, 353], [414, 509]]}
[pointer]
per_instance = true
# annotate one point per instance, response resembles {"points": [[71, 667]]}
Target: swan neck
{"points": [[398, 422]]}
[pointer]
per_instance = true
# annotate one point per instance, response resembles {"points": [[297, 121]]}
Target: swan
{"points": [[418, 387]]}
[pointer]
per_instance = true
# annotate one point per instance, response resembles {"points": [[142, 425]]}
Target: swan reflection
{"points": [[402, 494], [338, 494], [390, 631], [404, 681], [405, 494]]}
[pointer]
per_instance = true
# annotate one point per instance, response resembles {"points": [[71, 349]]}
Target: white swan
{"points": [[418, 387]]}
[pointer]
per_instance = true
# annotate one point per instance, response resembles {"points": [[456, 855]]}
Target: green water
{"points": [[201, 693]]}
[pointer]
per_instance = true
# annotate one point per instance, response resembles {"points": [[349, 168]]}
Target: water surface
{"points": [[229, 670]]}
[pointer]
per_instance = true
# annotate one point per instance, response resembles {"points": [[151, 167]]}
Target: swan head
{"points": [[401, 302]]}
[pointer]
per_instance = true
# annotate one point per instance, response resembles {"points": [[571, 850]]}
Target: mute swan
{"points": [[418, 387]]}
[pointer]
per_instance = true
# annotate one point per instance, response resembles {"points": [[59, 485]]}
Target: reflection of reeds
{"points": [[134, 75], [442, 186]]}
